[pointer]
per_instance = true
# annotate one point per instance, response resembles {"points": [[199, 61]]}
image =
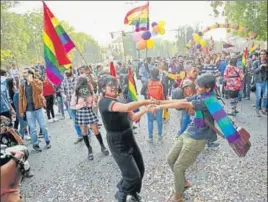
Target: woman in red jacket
{"points": [[48, 92]]}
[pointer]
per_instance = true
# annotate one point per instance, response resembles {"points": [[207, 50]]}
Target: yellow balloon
{"points": [[150, 43], [196, 38], [162, 31], [203, 43], [161, 23]]}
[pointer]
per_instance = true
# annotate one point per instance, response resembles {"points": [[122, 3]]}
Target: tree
{"points": [[250, 14]]}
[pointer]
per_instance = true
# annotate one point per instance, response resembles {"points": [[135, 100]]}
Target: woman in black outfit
{"points": [[122, 144]]}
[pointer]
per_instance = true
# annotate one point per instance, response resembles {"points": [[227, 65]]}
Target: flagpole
{"points": [[81, 55], [148, 25]]}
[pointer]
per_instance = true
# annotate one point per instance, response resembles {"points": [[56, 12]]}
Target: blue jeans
{"points": [[261, 87], [23, 127], [76, 127], [32, 117], [185, 121], [159, 120]]}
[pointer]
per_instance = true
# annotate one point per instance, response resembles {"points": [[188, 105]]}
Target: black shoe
{"points": [[136, 198], [134, 127], [120, 197], [104, 151], [232, 114], [78, 140], [48, 145], [258, 113], [28, 174], [37, 148], [213, 144], [90, 154]]}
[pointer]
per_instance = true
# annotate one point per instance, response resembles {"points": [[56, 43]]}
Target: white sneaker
{"points": [[50, 121], [27, 137], [55, 119]]}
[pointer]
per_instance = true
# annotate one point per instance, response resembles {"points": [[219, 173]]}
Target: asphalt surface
{"points": [[64, 174]]}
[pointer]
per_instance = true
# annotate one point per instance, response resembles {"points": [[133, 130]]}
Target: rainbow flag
{"points": [[138, 17], [132, 93], [245, 57], [56, 46], [252, 49], [227, 45]]}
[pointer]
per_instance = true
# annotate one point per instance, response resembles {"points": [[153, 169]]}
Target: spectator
{"points": [[6, 108], [31, 101], [67, 90], [260, 69], [49, 92], [233, 77]]}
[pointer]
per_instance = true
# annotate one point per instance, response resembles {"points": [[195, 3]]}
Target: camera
{"points": [[5, 154]]}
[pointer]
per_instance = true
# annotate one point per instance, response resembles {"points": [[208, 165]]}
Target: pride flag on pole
{"points": [[139, 17], [245, 57], [56, 46], [132, 92]]}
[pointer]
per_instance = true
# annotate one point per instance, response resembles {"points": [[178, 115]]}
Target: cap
{"points": [[177, 93], [206, 81]]}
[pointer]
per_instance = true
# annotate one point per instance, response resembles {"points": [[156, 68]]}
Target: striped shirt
{"points": [[209, 69], [67, 88]]}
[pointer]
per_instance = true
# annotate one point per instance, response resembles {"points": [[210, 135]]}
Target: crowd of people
{"points": [[88, 93]]}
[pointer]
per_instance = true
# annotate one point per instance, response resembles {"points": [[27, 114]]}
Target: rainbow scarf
{"points": [[219, 115]]}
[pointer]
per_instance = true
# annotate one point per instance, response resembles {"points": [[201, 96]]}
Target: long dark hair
{"points": [[10, 86]]}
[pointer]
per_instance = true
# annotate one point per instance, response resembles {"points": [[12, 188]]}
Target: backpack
{"points": [[155, 90]]}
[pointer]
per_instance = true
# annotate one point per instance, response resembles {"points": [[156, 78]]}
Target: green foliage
{"points": [[250, 14]]}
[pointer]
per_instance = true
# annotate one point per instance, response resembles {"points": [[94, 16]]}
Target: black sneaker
{"points": [[136, 198], [104, 151], [258, 113], [120, 197], [78, 140], [37, 148], [28, 174], [48, 145], [213, 144], [90, 154]]}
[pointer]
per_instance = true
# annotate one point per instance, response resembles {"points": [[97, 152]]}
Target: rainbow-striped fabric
{"points": [[139, 17], [132, 91], [219, 115], [56, 46]]}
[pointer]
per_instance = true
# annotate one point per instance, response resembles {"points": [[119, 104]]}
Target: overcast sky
{"points": [[98, 18]]}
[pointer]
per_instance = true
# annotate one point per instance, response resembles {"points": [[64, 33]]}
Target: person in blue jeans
{"points": [[155, 89], [22, 121], [31, 101], [187, 89], [260, 69], [67, 90]]}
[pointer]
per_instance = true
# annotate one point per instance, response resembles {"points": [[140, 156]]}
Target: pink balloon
{"points": [[137, 36]]}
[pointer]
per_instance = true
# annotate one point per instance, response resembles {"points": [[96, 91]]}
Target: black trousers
{"points": [[246, 89], [128, 157], [50, 103]]}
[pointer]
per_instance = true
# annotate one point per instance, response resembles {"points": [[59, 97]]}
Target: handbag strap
{"points": [[214, 128]]}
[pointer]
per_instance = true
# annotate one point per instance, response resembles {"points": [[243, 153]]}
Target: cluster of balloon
{"points": [[144, 40], [197, 41]]}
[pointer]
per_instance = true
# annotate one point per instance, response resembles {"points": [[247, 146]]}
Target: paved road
{"points": [[63, 173]]}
